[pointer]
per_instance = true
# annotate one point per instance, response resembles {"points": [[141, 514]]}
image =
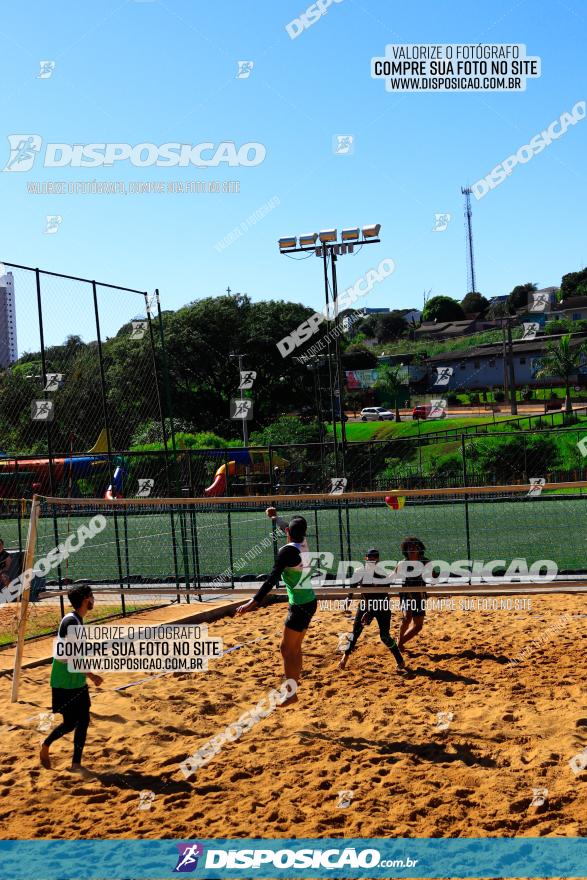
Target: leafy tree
{"points": [[443, 308], [562, 362], [390, 380], [284, 430], [518, 298], [474, 302], [390, 326], [359, 357], [574, 284], [510, 458]]}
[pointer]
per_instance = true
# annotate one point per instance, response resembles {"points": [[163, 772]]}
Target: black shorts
{"points": [[299, 616], [413, 603], [70, 700]]}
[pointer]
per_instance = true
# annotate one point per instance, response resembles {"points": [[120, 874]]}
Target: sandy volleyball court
{"points": [[365, 731]]}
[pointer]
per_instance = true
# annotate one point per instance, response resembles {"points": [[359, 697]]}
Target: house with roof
{"points": [[483, 365]]}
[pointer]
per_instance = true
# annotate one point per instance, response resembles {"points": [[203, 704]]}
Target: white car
{"points": [[375, 414]]}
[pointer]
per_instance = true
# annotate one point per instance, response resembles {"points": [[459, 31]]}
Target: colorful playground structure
{"points": [[18, 478], [242, 462]]}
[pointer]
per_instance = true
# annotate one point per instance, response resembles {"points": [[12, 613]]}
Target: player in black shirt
{"points": [[412, 603], [373, 605]]}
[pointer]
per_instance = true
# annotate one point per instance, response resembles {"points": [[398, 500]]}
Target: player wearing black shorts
{"points": [[412, 603], [373, 605], [70, 695], [292, 564]]}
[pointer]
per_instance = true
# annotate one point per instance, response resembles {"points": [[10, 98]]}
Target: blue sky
{"points": [[165, 71]]}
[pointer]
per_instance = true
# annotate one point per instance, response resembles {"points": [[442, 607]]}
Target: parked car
{"points": [[423, 412], [375, 414]]}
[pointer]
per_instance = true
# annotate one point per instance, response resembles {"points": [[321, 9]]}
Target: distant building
{"points": [[452, 329], [482, 366], [572, 309], [8, 342], [411, 316]]}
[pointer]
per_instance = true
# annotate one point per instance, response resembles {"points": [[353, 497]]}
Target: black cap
{"points": [[372, 552]]}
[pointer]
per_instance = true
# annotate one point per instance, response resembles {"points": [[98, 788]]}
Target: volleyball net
{"points": [[188, 544]]}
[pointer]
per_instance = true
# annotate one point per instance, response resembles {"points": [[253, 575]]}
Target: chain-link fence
{"points": [[86, 385]]}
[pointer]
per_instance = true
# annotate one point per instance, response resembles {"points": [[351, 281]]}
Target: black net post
{"points": [[108, 438]]}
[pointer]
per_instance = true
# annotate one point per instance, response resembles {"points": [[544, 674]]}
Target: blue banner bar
{"points": [[305, 859]]}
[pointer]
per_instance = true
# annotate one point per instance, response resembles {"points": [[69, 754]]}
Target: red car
{"points": [[423, 412]]}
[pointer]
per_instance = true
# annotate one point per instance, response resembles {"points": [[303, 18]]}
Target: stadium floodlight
{"points": [[371, 231], [308, 240], [286, 243], [350, 234], [327, 235]]}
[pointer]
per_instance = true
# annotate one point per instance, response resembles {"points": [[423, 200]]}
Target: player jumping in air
{"points": [[412, 603], [373, 605], [291, 564]]}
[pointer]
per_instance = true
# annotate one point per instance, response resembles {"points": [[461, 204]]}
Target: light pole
{"points": [[330, 249]]}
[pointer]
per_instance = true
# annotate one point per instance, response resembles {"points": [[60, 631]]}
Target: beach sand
{"points": [[365, 730]]}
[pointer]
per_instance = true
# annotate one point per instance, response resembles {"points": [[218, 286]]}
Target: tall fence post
{"points": [[108, 438], [466, 497], [48, 425]]}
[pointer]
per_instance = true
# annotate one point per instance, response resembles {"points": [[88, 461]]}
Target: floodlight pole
{"points": [[330, 382], [323, 249], [338, 361]]}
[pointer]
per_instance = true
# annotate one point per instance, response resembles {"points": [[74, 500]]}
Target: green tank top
{"points": [[298, 580], [60, 675]]}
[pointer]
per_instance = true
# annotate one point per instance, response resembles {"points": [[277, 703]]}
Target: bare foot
{"points": [[343, 661], [44, 757], [82, 771], [288, 702]]}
